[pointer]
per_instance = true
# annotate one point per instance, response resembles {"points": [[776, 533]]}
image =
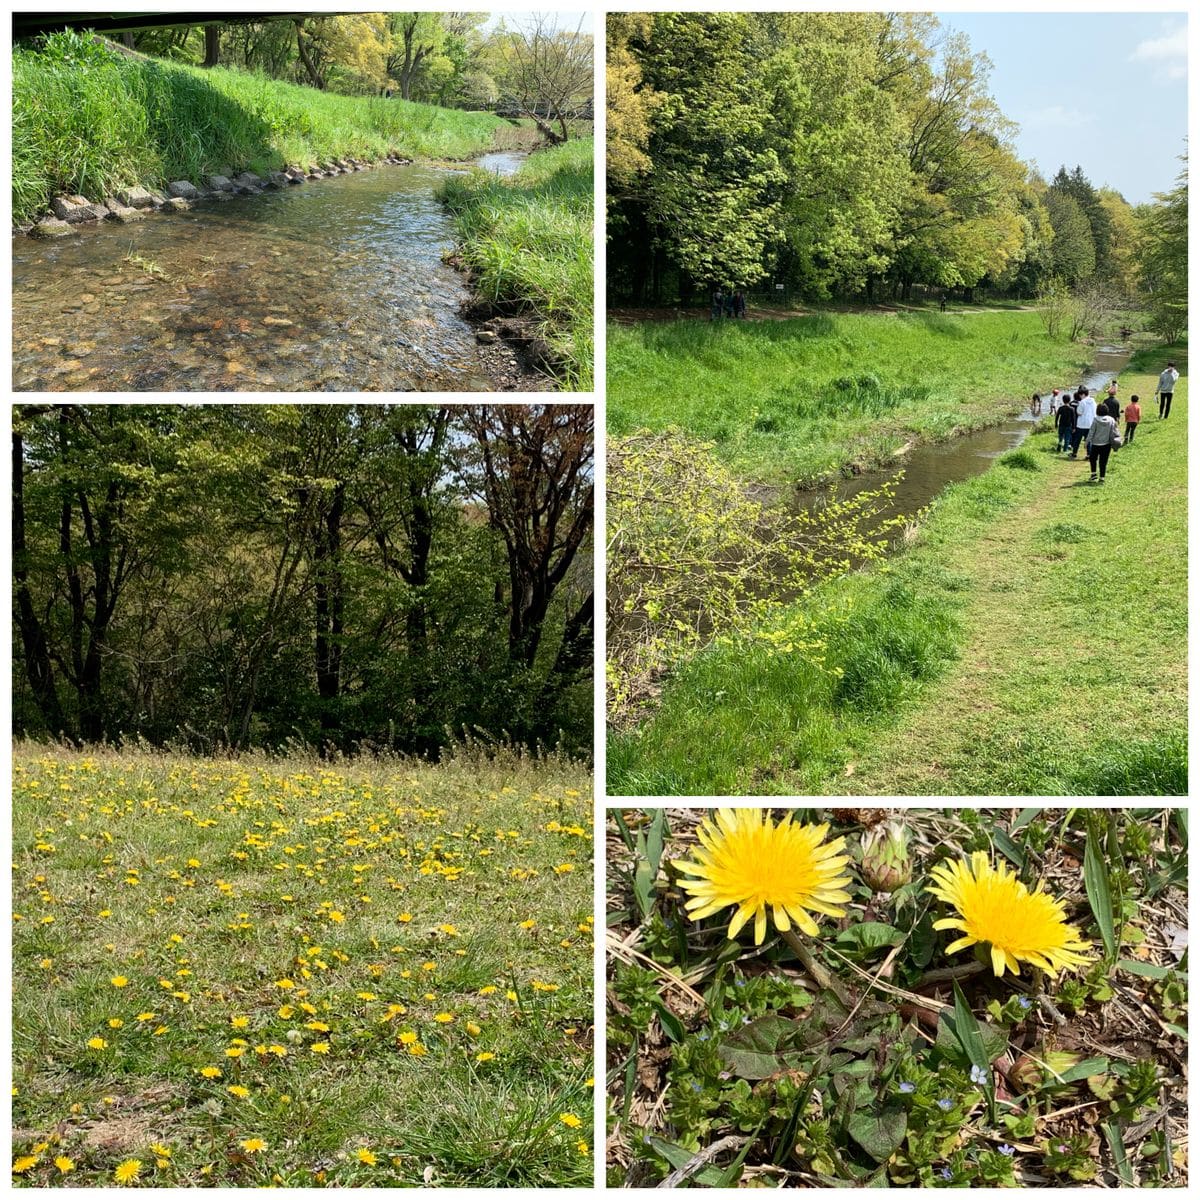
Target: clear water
{"points": [[334, 285]]}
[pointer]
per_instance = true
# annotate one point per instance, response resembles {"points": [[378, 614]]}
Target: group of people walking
{"points": [[1080, 420], [728, 303]]}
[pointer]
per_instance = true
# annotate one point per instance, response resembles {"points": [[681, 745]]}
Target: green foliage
{"points": [[527, 242], [94, 122], [693, 559], [1163, 260]]}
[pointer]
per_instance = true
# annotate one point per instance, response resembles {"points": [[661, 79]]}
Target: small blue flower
{"points": [[908, 1088], [979, 1075], [696, 1087], [1025, 1002], [702, 1036], [945, 1105], [739, 983], [946, 1173], [1005, 1148]]}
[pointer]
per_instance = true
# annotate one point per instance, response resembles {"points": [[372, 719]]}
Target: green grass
{"points": [[300, 905], [1032, 642], [800, 399], [96, 122], [527, 241]]}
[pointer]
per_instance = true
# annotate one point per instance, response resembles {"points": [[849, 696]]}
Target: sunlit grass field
{"points": [[280, 972]]}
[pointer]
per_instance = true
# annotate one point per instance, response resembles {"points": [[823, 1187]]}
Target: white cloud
{"points": [[1055, 116], [1169, 51]]}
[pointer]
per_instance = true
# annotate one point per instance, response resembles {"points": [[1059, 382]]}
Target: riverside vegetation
{"points": [[970, 661], [526, 242], [843, 1039], [285, 971]]}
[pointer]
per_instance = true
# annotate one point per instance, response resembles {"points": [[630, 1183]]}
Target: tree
{"points": [[1072, 252], [1163, 258], [415, 36], [630, 101], [550, 73]]}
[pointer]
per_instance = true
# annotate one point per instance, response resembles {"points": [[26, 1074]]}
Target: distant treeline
{"points": [[348, 576], [835, 154]]}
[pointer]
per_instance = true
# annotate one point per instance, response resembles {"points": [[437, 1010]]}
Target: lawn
{"points": [[277, 971], [800, 399], [864, 1045], [1030, 641]]}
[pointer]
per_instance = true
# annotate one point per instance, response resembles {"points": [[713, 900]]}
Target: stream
{"points": [[931, 466], [333, 285]]}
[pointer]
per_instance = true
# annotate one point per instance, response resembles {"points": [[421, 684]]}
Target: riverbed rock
{"points": [[52, 227], [248, 179], [125, 214], [176, 204], [277, 180], [486, 337], [219, 183], [294, 174], [183, 190], [72, 209], [135, 197]]}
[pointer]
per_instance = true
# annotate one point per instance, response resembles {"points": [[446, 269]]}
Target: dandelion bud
{"points": [[885, 862]]}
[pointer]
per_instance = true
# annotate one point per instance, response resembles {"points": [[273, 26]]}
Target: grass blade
{"points": [[1099, 894]]}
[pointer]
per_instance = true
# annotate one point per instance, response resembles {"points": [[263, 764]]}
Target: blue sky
{"points": [[1106, 91]]}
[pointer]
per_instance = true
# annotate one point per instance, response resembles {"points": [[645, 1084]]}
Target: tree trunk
{"points": [[306, 59], [330, 608], [38, 668], [212, 45]]}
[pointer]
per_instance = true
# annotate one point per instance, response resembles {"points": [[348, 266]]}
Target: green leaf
{"points": [[760, 1048], [870, 935], [1024, 817], [1085, 1069], [672, 1026], [654, 840], [1009, 848], [1099, 894], [1112, 1134], [879, 1131], [1145, 969], [679, 1157]]}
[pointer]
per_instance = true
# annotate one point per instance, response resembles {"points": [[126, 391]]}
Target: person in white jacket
{"points": [[1102, 440], [1084, 416], [1166, 389]]}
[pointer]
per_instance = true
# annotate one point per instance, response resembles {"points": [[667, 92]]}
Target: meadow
{"points": [[1030, 639], [277, 971], [88, 121], [526, 241], [798, 400]]}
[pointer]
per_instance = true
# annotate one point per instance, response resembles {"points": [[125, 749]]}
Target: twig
{"points": [[820, 975], [701, 1159], [622, 950], [946, 974]]}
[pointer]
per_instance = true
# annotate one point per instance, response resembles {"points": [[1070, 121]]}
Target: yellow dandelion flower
{"points": [[320, 1047], [444, 1018], [365, 1157], [995, 907], [64, 1164], [115, 1022], [407, 1038], [253, 1145], [417, 1050], [405, 918], [489, 990], [236, 1089], [239, 1022], [366, 995], [119, 981], [211, 1072], [570, 1120], [473, 1029], [97, 1043], [128, 1171], [26, 1162], [235, 1051], [159, 1149], [319, 1026], [484, 1056], [286, 1011], [748, 861]]}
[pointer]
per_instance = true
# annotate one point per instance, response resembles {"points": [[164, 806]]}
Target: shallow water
{"points": [[333, 285], [929, 467]]}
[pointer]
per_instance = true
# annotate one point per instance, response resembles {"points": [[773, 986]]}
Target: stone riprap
{"points": [[134, 203]]}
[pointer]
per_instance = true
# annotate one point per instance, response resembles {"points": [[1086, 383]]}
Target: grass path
{"points": [[1076, 631]]}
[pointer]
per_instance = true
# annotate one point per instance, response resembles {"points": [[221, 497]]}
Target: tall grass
{"points": [[527, 240], [799, 399], [94, 121]]}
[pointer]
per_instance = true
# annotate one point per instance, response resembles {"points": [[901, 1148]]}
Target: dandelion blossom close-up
{"points": [[747, 861], [995, 907]]}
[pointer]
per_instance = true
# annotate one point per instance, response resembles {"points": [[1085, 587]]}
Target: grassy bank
{"points": [[88, 121], [1032, 641], [277, 972], [799, 399], [527, 242]]}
